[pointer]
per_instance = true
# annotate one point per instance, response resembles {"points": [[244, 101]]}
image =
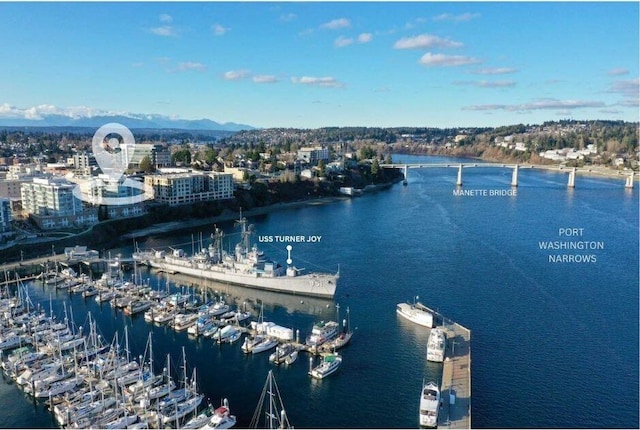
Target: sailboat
{"points": [[270, 412], [343, 338]]}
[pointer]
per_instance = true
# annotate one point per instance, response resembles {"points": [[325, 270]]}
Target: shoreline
{"points": [[227, 215]]}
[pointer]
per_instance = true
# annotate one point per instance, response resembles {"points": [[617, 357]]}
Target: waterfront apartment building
{"points": [[5, 215], [190, 187], [49, 196], [134, 153], [50, 203], [313, 154]]}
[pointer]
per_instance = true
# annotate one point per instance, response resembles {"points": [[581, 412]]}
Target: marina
{"points": [[124, 382]]}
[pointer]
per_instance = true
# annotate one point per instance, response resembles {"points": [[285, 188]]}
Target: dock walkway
{"points": [[455, 386], [455, 389]]}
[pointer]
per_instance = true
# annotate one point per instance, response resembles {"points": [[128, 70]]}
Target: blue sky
{"points": [[323, 64]]}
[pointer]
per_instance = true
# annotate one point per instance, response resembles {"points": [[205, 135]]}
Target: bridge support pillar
{"points": [[514, 177], [572, 178], [459, 180], [406, 172], [629, 181]]}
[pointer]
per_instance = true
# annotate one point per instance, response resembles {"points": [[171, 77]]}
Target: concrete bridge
{"points": [[571, 171]]}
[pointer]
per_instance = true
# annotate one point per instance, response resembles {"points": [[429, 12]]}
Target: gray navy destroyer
{"points": [[247, 266]]}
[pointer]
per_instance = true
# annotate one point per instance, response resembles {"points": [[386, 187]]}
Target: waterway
{"points": [[554, 344]]}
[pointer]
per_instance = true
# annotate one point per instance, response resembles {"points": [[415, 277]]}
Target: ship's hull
{"points": [[315, 284]]}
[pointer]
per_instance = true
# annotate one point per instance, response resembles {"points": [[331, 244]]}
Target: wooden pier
{"points": [[455, 385], [455, 390]]}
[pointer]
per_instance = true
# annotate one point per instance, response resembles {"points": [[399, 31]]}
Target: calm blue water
{"points": [[553, 344]]}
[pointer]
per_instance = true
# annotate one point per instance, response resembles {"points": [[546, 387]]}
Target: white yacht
{"points": [[429, 403], [329, 364], [415, 313], [436, 345], [221, 418], [321, 333]]}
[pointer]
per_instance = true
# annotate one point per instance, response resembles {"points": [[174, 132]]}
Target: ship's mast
{"points": [[245, 233]]}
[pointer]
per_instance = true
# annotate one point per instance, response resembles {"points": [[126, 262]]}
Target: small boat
{"points": [[90, 291], [221, 418], [285, 353], [179, 410], [416, 313], [163, 317], [337, 343], [182, 322], [436, 345], [321, 333], [327, 366], [12, 341], [137, 306], [227, 334], [259, 343], [211, 331], [429, 403]]}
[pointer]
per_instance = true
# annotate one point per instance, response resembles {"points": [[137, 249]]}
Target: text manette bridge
{"points": [[572, 171]]}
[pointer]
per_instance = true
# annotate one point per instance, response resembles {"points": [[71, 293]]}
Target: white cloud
{"points": [[288, 17], [219, 30], [441, 60], [327, 81], [629, 89], [336, 24], [487, 84], [542, 104], [190, 65], [365, 37], [456, 18], [44, 110], [618, 71], [425, 41], [342, 41], [412, 24], [137, 64], [166, 18], [163, 30], [495, 71], [264, 79], [235, 75]]}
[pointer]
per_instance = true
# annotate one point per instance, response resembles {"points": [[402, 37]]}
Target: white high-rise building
{"points": [[49, 197]]}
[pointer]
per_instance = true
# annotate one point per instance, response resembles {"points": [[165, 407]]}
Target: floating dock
{"points": [[455, 386]]}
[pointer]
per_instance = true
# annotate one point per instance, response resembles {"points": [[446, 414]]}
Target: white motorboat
{"points": [[429, 403], [321, 333], [221, 418], [436, 345], [416, 313], [227, 334], [183, 321], [285, 353], [327, 366]]}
